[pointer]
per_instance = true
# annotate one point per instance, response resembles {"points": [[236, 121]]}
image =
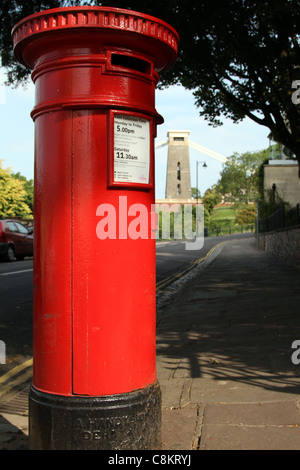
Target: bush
{"points": [[247, 215]]}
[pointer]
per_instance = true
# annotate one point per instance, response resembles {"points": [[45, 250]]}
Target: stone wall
{"points": [[284, 243]]}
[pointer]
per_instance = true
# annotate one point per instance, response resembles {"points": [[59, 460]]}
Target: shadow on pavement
{"points": [[233, 326]]}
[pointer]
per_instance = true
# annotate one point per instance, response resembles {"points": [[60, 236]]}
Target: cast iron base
{"points": [[129, 421]]}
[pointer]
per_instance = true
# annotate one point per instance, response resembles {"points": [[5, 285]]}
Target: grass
{"points": [[222, 221], [226, 212]]}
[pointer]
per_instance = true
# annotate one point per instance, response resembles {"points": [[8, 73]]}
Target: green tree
{"points": [[195, 193], [240, 57], [12, 196], [211, 199], [240, 176], [12, 11], [29, 188]]}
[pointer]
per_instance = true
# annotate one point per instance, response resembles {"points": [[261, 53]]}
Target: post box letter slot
{"points": [[130, 62]]}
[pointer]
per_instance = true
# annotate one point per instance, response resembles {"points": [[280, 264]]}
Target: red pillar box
{"points": [[95, 70]]}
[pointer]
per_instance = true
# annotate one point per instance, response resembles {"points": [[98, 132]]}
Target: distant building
{"points": [[178, 185], [281, 174], [284, 175], [178, 181]]}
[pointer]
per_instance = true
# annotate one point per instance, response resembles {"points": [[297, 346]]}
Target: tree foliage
{"points": [[245, 216], [240, 57], [29, 188], [12, 195], [195, 193], [240, 177], [211, 199], [12, 11]]}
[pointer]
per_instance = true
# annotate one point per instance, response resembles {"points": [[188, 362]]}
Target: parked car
{"points": [[16, 241]]}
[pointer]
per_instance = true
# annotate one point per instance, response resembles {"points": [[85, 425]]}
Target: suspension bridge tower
{"points": [[178, 185]]}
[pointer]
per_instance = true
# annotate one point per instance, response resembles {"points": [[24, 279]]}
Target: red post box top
{"points": [[115, 27]]}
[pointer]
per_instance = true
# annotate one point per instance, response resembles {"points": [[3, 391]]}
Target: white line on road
{"points": [[16, 272]]}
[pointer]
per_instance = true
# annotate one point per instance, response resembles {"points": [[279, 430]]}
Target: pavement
{"points": [[229, 376]]}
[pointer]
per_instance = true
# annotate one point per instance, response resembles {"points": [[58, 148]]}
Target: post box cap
{"points": [[149, 35]]}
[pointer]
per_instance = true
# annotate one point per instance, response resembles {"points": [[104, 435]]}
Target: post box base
{"points": [[129, 421]]}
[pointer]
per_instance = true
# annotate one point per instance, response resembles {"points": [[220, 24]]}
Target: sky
{"points": [[177, 107]]}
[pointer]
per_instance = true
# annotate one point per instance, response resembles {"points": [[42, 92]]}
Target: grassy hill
{"points": [[226, 213], [222, 221]]}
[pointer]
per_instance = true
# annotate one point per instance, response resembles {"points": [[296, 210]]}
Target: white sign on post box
{"points": [[131, 149]]}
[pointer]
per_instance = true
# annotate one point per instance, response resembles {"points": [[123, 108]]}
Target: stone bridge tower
{"points": [[178, 184]]}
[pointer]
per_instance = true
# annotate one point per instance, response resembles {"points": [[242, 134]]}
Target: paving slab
{"points": [[251, 426], [179, 428], [222, 437]]}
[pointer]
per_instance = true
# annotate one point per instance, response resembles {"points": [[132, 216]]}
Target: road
{"points": [[16, 281], [173, 258]]}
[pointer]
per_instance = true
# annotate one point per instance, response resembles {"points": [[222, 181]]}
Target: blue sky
{"points": [[177, 107]]}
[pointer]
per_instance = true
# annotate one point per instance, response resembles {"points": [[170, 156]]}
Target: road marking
{"points": [[164, 253], [16, 370], [165, 282], [18, 381], [17, 272], [27, 373]]}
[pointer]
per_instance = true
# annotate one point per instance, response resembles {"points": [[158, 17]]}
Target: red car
{"points": [[16, 241]]}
